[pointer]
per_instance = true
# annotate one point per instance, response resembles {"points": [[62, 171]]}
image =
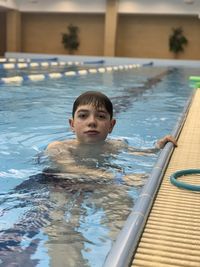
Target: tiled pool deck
{"points": [[172, 233]]}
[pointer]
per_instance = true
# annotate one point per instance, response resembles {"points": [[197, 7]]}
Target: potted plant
{"points": [[177, 41], [70, 39]]}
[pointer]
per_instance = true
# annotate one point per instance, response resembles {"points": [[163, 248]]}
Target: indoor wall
{"points": [[42, 32], [147, 36], [143, 36]]}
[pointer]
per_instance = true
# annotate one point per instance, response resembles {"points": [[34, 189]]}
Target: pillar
{"points": [[13, 31], [110, 27]]}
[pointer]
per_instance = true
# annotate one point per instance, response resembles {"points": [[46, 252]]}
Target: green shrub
{"points": [[70, 39], [177, 41]]}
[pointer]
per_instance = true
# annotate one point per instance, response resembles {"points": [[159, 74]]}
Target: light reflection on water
{"points": [[73, 223]]}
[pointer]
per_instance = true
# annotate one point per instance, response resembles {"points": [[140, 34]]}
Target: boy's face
{"points": [[91, 125]]}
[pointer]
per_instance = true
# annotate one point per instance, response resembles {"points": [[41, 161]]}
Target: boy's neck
{"points": [[98, 144]]}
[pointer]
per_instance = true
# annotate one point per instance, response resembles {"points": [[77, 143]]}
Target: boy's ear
{"points": [[112, 124], [71, 123]]}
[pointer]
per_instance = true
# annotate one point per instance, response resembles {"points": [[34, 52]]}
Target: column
{"points": [[110, 27], [13, 31]]}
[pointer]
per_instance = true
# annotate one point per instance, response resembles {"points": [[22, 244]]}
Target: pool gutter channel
{"points": [[123, 250]]}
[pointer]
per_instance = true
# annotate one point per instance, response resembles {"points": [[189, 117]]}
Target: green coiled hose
{"points": [[174, 181]]}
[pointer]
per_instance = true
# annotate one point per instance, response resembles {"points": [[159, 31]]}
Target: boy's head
{"points": [[92, 117], [97, 99]]}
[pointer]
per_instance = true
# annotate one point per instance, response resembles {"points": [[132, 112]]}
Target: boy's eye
{"points": [[101, 116], [82, 115]]}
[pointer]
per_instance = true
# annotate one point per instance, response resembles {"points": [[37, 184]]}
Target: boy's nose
{"points": [[92, 121]]}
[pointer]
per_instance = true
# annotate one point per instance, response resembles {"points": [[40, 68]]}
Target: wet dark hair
{"points": [[95, 98]]}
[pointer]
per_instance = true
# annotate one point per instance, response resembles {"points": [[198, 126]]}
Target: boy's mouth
{"points": [[91, 132]]}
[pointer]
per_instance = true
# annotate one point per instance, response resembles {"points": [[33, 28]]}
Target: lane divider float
{"points": [[43, 64], [4, 60], [14, 79], [92, 71], [56, 75]]}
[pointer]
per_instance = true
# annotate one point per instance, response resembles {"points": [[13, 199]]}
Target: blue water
{"points": [[43, 223]]}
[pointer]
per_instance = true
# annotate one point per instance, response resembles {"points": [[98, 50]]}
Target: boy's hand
{"points": [[168, 138]]}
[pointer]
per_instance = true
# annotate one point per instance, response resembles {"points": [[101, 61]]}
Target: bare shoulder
{"points": [[118, 144], [54, 144], [59, 146]]}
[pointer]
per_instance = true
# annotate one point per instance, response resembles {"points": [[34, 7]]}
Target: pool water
{"points": [[44, 222]]}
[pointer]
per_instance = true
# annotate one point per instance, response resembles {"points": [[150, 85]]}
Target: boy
{"points": [[87, 155]]}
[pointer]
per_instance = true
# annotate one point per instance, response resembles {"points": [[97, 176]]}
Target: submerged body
{"points": [[71, 159]]}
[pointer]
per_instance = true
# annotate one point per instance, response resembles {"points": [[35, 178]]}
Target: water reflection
{"points": [[79, 221]]}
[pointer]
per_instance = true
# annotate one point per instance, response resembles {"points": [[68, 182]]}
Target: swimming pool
{"points": [[75, 224]]}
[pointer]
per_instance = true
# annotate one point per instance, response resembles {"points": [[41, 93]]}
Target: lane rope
{"points": [[56, 75]]}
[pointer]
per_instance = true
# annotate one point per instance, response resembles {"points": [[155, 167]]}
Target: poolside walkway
{"points": [[172, 233]]}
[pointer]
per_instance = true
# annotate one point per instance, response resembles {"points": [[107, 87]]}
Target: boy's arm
{"points": [[159, 145], [163, 141]]}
